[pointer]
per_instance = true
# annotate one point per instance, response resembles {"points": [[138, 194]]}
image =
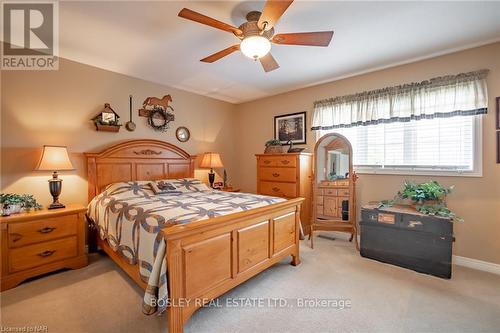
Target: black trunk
{"points": [[414, 241]]}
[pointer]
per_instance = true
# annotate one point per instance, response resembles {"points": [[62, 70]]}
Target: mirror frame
{"points": [[350, 225], [315, 160]]}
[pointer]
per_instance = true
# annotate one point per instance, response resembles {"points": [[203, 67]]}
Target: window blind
{"points": [[430, 144]]}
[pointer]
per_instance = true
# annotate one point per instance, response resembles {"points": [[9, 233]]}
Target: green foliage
{"points": [[10, 199], [439, 209], [273, 142], [27, 201], [421, 194], [98, 120], [424, 192]]}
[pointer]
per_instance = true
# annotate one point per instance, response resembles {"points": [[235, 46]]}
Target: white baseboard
{"points": [[477, 264], [457, 260]]}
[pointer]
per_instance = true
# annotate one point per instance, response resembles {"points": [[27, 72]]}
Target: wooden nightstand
{"points": [[41, 241]]}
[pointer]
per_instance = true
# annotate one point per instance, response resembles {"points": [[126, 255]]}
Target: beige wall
{"points": [[476, 199], [55, 107]]}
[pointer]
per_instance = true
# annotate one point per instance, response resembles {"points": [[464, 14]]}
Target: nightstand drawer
{"points": [[21, 234], [42, 253]]}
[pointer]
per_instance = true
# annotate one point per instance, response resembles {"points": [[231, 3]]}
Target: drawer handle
{"points": [[413, 224], [47, 253], [46, 230], [285, 161], [276, 189], [275, 174], [16, 237], [267, 161]]}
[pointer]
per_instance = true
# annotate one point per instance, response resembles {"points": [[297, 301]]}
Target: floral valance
{"points": [[455, 95]]}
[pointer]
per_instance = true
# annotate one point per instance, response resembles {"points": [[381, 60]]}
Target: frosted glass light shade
{"points": [[211, 160], [255, 47], [54, 158]]}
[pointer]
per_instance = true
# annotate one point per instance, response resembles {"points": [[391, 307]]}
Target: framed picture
{"points": [[290, 127], [498, 112]]}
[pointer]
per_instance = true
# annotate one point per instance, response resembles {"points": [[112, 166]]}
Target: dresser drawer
{"points": [[278, 174], [329, 191], [42, 253], [343, 192], [287, 190], [21, 234], [280, 161]]}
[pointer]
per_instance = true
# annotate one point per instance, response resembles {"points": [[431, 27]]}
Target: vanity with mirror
{"points": [[334, 195]]}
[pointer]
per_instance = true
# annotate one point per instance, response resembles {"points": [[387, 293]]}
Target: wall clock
{"points": [[182, 134]]}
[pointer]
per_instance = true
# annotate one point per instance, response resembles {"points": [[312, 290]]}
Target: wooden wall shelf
{"points": [[107, 128]]}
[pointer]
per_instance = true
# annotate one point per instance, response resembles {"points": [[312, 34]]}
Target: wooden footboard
{"points": [[208, 258]]}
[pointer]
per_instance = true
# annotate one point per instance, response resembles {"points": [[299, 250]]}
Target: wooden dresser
{"points": [[42, 241], [287, 176]]}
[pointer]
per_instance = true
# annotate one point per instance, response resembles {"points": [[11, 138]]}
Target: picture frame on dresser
{"points": [[291, 127]]}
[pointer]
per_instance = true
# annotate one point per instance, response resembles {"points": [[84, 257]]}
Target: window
{"points": [[439, 146]]}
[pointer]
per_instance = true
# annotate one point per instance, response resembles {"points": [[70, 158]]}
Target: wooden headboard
{"points": [[137, 160]]}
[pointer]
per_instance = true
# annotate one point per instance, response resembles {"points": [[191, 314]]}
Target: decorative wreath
{"points": [[159, 119]]}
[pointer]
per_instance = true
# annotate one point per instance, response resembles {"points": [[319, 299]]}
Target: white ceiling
{"points": [[147, 40]]}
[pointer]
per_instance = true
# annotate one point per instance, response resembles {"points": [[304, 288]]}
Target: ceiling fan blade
{"points": [[269, 63], [320, 38], [221, 54], [200, 18], [272, 12]]}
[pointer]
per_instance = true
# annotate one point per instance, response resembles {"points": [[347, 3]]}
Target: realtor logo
{"points": [[30, 35]]}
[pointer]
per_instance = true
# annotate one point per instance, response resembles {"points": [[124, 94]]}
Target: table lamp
{"points": [[55, 158], [211, 160]]}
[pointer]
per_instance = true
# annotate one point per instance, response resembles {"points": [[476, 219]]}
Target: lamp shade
{"points": [[211, 160], [54, 158]]}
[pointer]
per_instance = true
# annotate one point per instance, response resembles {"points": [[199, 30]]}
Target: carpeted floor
{"points": [[384, 298]]}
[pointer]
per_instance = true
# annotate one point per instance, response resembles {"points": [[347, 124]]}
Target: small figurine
{"points": [[291, 149]]}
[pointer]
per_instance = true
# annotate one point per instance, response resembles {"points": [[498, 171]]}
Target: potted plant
{"points": [[14, 203], [273, 147], [427, 198], [430, 192]]}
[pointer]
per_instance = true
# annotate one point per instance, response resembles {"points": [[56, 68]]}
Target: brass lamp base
{"points": [[55, 187]]}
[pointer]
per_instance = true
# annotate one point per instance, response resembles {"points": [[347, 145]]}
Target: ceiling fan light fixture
{"points": [[255, 47]]}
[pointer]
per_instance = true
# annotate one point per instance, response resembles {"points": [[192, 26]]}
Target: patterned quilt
{"points": [[130, 215]]}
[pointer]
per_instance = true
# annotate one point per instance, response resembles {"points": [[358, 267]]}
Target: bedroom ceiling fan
{"points": [[257, 34]]}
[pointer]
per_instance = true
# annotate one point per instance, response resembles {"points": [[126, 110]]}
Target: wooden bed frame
{"points": [[207, 258]]}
